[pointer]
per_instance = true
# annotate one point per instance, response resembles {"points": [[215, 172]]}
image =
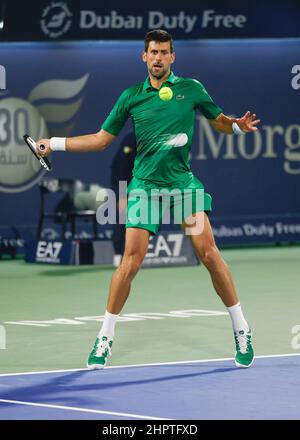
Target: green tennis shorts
{"points": [[150, 205]]}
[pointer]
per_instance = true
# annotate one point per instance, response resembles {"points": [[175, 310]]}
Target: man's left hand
{"points": [[247, 122]]}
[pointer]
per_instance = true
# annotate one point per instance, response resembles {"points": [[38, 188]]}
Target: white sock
{"points": [[238, 320], [108, 326]]}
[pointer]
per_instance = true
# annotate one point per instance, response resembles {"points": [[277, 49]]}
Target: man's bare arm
{"points": [[80, 144], [246, 123], [90, 142]]}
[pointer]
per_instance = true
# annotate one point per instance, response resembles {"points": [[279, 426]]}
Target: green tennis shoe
{"points": [[244, 356], [101, 351]]}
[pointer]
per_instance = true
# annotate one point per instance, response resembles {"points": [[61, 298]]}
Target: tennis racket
{"points": [[32, 145]]}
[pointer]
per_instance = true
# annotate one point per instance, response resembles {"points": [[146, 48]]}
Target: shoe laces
{"points": [[103, 347], [242, 341]]}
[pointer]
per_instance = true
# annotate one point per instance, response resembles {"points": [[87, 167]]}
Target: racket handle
{"points": [[42, 147], [48, 163]]}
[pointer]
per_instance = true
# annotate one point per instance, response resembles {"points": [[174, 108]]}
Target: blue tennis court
{"points": [[212, 389]]}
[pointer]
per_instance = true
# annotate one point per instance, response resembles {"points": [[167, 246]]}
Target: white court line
{"points": [[147, 365], [74, 408]]}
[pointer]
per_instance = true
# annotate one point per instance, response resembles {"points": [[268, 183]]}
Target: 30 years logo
{"points": [[18, 168], [44, 110], [2, 78]]}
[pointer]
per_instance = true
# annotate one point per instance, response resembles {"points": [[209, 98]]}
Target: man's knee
{"points": [[210, 257], [130, 265]]}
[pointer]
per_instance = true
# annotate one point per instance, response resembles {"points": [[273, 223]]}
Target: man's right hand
{"points": [[46, 151]]}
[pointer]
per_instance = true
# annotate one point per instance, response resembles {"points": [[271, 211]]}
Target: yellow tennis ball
{"points": [[127, 149], [165, 93]]}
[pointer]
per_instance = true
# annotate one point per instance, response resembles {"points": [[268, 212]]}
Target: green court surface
{"points": [[267, 280]]}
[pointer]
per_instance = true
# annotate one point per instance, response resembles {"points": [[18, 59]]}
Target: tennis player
{"points": [[164, 133]]}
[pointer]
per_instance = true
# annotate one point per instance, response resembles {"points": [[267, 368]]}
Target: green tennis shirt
{"points": [[163, 129]]}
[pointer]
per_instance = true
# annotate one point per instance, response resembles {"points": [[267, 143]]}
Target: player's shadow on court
{"points": [[63, 389]]}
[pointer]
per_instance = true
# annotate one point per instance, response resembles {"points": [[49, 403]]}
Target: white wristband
{"points": [[58, 144], [236, 129]]}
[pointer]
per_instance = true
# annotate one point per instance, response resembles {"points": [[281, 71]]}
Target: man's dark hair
{"points": [[160, 36]]}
